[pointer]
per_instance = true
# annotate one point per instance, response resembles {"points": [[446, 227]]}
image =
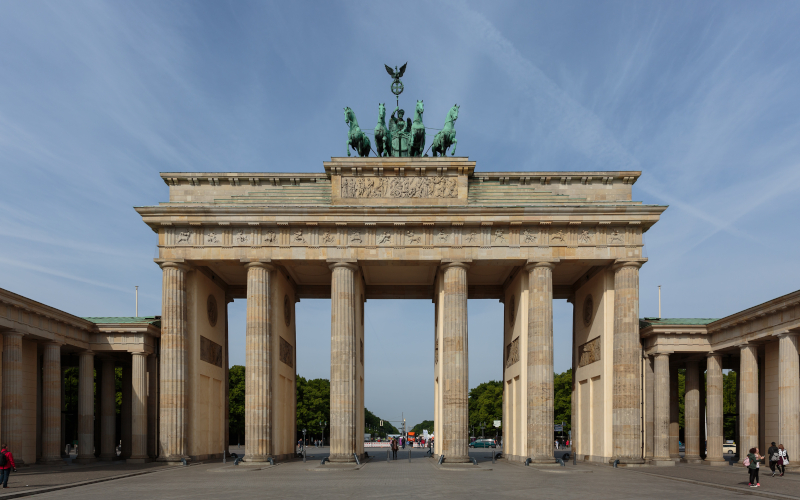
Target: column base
{"points": [[138, 460], [108, 458], [543, 461], [345, 458], [718, 462], [692, 460], [175, 459], [50, 461], [258, 458], [623, 461], [457, 460], [85, 460], [661, 462]]}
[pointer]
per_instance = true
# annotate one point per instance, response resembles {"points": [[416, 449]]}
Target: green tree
{"points": [[562, 400], [486, 404], [374, 422], [313, 405], [424, 425], [729, 404], [236, 384]]}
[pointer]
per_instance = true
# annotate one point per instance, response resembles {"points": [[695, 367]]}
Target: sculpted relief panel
{"points": [[399, 187]]}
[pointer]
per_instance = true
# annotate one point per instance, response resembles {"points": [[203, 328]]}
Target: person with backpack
{"points": [[772, 456], [6, 465], [783, 459], [394, 449], [752, 464]]}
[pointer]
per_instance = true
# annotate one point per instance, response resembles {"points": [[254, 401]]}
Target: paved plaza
{"points": [[396, 479]]}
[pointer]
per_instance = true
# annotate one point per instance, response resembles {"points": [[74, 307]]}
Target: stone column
{"points": [[108, 411], [456, 364], [126, 413], [748, 399], [343, 362], [139, 408], [172, 422], [649, 407], [661, 368], [86, 408], [11, 420], [51, 404], [258, 357], [714, 410], [702, 366], [626, 421], [692, 413], [674, 414], [789, 393], [152, 406], [540, 362]]}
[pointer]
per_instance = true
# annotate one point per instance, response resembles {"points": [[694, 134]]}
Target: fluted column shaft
{"points": [[661, 418], [139, 407], [692, 412], [789, 393], [748, 399], [172, 422], [86, 407], [626, 423], [674, 414], [258, 357], [540, 362], [11, 421], [108, 411], [152, 406], [714, 410], [51, 404], [343, 362], [455, 370], [650, 412]]}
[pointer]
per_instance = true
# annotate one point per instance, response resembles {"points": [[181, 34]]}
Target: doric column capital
{"points": [[660, 354], [260, 265], [622, 263], [548, 264], [13, 334], [343, 264], [714, 354], [175, 264], [787, 333], [140, 353], [464, 264]]}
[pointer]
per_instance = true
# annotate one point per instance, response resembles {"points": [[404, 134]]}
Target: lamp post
{"points": [[483, 426], [322, 424]]}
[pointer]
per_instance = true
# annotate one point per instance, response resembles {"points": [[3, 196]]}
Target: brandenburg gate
{"points": [[393, 228]]}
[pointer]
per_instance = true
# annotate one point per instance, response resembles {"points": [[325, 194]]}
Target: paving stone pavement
{"points": [[401, 479]]}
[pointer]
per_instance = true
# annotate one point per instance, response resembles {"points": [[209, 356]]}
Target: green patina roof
{"points": [[644, 323], [151, 320]]}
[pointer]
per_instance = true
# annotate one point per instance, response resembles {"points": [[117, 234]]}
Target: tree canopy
{"points": [[486, 404], [236, 402], [424, 425]]}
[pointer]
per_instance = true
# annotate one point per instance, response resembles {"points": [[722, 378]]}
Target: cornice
{"points": [[777, 305]]}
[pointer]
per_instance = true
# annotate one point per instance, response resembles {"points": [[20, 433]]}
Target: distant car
{"points": [[729, 448], [483, 443]]}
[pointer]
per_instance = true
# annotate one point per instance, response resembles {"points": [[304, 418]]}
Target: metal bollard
{"points": [[409, 456], [493, 457], [616, 462], [358, 462], [387, 456], [304, 455], [441, 458]]}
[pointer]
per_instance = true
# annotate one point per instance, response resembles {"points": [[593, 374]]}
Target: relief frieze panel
{"points": [[399, 187], [589, 352]]}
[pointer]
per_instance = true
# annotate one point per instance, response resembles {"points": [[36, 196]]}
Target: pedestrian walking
{"points": [[752, 464], [772, 456], [6, 465], [394, 449], [783, 459]]}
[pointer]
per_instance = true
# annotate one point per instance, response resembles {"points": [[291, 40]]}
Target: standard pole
{"points": [[137, 301], [659, 301]]}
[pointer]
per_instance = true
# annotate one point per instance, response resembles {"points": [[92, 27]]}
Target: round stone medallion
{"points": [[588, 310], [287, 310], [512, 310], [211, 308]]}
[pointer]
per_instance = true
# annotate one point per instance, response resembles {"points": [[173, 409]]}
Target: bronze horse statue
{"points": [[356, 138], [383, 138], [447, 136], [417, 146]]}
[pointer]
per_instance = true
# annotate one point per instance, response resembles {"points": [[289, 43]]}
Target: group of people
{"points": [[778, 460]]}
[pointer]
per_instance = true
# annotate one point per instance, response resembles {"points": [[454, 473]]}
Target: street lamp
{"points": [[322, 424], [483, 426]]}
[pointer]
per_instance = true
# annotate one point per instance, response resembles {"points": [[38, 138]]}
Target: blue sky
{"points": [[98, 97]]}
